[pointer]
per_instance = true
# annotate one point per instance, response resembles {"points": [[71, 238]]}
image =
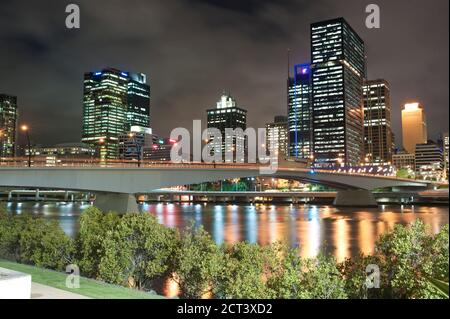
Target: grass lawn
{"points": [[88, 287]]}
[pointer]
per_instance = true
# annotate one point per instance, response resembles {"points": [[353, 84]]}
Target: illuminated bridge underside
{"points": [[127, 181]]}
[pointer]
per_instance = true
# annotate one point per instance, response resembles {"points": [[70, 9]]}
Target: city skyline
{"points": [[39, 104]]}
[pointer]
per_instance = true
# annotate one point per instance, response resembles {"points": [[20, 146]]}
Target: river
{"points": [[312, 228]]}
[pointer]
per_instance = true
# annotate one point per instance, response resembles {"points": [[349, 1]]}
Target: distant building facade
{"points": [[300, 113], [429, 161], [114, 101], [8, 125], [414, 126], [159, 151], [337, 73], [132, 143], [378, 137], [277, 135], [62, 154], [228, 115]]}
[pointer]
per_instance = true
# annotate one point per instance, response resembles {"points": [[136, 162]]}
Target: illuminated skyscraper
{"points": [[414, 126], [228, 115], [378, 137], [337, 71], [299, 112], [113, 102], [277, 135], [8, 125]]}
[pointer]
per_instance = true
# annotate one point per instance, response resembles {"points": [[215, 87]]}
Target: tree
{"points": [[410, 257], [11, 229], [285, 280], [94, 226], [245, 272], [196, 264], [45, 244], [137, 251], [321, 279]]}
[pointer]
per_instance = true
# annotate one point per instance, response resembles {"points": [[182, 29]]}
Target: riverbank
{"points": [[88, 287]]}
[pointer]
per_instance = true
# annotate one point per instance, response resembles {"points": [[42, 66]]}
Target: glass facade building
{"points": [[8, 125], [337, 73], [114, 101], [228, 115], [378, 137], [300, 112], [277, 135]]}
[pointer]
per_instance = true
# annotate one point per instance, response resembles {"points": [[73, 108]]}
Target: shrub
{"points": [[197, 263], [94, 227], [137, 251]]}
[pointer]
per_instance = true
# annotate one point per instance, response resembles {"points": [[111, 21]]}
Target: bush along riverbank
{"points": [[135, 251]]}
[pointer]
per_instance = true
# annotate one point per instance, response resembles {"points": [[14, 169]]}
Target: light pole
{"points": [[24, 128], [138, 148]]}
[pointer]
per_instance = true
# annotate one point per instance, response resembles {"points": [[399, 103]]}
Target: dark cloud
{"points": [[192, 50]]}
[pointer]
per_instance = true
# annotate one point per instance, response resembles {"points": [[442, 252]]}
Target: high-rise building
{"points": [[228, 115], [429, 161], [114, 101], [8, 125], [277, 135], [337, 71], [378, 137], [299, 112], [414, 126]]}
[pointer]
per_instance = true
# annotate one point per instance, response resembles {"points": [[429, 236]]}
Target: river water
{"points": [[312, 228]]}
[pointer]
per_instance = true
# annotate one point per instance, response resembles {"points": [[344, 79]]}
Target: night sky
{"points": [[191, 50]]}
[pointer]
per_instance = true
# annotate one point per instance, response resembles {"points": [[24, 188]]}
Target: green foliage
{"points": [[94, 227], [44, 244], [11, 229], [34, 241], [246, 269], [409, 256], [321, 279], [197, 263], [137, 251], [285, 279]]}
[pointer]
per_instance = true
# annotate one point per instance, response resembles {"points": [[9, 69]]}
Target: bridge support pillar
{"points": [[116, 202], [355, 198]]}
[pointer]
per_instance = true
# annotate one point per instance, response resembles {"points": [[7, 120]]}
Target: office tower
{"points": [[228, 115], [133, 142], [277, 135], [338, 71], [378, 137], [8, 125], [429, 161], [414, 126], [299, 112], [113, 102]]}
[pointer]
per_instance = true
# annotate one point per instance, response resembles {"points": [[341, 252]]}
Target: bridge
{"points": [[116, 185]]}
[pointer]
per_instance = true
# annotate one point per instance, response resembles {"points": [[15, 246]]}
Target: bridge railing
{"points": [[50, 162]]}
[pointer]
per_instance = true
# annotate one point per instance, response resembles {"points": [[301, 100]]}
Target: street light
{"points": [[138, 148], [24, 128]]}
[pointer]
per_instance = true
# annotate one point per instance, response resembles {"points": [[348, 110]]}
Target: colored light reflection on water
{"points": [[341, 232]]}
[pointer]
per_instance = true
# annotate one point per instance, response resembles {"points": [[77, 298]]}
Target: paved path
{"points": [[39, 291]]}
